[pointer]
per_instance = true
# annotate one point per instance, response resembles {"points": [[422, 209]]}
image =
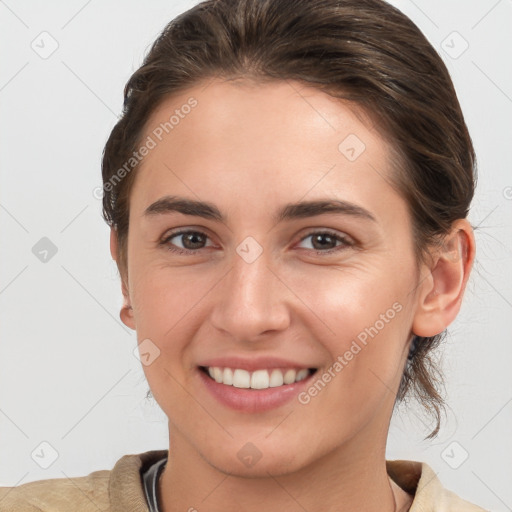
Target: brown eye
{"points": [[327, 242], [191, 241]]}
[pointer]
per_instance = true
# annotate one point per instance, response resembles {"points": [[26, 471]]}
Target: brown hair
{"points": [[364, 51]]}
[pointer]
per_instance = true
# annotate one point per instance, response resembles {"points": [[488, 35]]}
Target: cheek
{"points": [[347, 301], [164, 296], [362, 320], [165, 302]]}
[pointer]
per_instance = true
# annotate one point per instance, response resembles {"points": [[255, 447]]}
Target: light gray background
{"points": [[68, 374]]}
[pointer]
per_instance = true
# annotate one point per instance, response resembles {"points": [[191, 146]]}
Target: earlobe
{"points": [[442, 289], [126, 316]]}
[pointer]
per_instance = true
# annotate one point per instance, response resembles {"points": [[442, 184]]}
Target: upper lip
{"points": [[253, 364]]}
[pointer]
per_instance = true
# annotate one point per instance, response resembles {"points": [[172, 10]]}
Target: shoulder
{"points": [[429, 495], [107, 490], [86, 493]]}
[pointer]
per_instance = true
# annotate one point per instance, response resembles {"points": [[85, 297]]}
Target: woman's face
{"points": [[269, 281]]}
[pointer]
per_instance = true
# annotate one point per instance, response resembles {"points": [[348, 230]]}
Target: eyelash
{"points": [[346, 242]]}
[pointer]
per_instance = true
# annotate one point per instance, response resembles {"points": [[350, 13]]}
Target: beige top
{"points": [[121, 489]]}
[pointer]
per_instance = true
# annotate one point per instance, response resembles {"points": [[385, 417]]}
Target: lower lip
{"points": [[253, 400]]}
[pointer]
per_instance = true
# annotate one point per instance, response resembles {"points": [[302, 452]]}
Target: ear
{"points": [[126, 313], [444, 281], [113, 243]]}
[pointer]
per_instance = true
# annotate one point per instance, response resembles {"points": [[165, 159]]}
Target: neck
{"points": [[349, 478]]}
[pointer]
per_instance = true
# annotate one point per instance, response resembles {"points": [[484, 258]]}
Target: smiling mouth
{"points": [[258, 379]]}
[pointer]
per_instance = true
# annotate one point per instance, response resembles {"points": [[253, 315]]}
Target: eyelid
{"points": [[186, 229], [328, 231]]}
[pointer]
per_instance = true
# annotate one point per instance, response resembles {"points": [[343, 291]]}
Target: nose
{"points": [[251, 301]]}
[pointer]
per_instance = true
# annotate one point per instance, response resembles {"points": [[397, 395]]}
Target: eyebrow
{"points": [[299, 210]]}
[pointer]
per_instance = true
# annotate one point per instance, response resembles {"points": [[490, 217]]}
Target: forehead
{"points": [[270, 139], [275, 111]]}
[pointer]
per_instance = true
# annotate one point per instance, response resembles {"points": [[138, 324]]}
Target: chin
{"points": [[259, 457], [276, 464]]}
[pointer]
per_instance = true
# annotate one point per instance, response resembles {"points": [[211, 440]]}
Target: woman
{"points": [[287, 191]]}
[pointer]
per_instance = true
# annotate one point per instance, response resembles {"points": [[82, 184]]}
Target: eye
{"points": [[324, 242], [191, 241]]}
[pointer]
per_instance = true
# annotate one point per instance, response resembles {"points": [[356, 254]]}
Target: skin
{"points": [[249, 149]]}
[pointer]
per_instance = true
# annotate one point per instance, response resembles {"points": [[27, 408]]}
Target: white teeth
{"points": [[301, 375], [289, 376], [217, 374], [259, 379], [276, 379], [241, 379], [228, 376]]}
